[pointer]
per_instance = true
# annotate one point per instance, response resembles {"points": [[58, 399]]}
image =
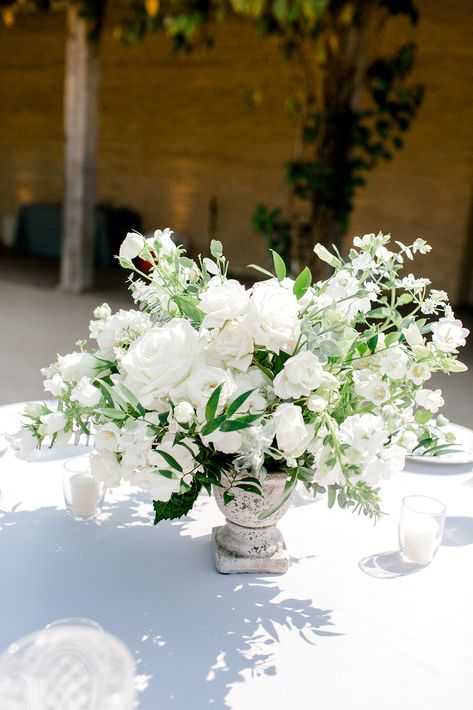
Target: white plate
{"points": [[464, 441]]}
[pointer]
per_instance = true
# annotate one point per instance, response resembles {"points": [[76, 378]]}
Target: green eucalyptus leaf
{"points": [[279, 265], [188, 307], [216, 248]]}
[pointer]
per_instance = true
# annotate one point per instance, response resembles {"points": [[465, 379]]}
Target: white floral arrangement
{"points": [[322, 381]]}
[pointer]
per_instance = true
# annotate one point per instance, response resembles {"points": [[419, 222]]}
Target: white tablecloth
{"points": [[325, 635]]}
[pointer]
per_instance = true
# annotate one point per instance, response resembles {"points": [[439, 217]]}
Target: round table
{"points": [[349, 627]]}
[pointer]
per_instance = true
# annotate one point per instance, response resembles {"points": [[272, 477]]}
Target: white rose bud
{"points": [[131, 246], [184, 413]]}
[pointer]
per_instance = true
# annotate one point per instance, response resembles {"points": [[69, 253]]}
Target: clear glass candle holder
{"points": [[83, 495], [421, 528]]}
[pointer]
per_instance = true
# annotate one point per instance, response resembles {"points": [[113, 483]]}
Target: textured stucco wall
{"points": [[176, 131]]}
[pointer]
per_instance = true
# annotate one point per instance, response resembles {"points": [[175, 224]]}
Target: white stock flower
{"points": [[75, 365], [184, 413], [131, 246], [292, 434], [160, 360], [102, 312], [394, 363], [86, 393], [449, 334], [55, 385], [232, 346], [223, 301], [52, 423], [107, 436], [273, 316], [300, 376], [430, 399], [105, 468]]}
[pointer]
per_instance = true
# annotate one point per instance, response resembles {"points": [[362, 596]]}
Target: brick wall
{"points": [[175, 132]]}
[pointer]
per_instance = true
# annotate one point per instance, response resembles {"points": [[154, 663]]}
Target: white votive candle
{"points": [[421, 528], [85, 492]]}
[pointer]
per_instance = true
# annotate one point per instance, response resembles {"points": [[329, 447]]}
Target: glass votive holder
{"points": [[421, 528], [83, 494]]}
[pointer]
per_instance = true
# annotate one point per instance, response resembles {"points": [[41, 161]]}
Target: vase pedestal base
{"points": [[228, 562]]}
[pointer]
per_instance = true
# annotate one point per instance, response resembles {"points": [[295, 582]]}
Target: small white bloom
{"points": [[105, 467], [421, 246], [24, 443], [163, 242], [418, 373], [76, 365], [430, 399], [449, 334], [131, 246], [184, 413], [107, 437], [376, 391], [52, 423], [55, 385], [86, 393], [394, 363], [300, 376], [342, 285], [413, 335], [223, 301], [316, 403]]}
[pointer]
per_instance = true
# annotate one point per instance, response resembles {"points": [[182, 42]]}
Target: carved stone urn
{"points": [[245, 543]]}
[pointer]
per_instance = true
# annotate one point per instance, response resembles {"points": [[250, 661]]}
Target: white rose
{"points": [[292, 434], [55, 385], [76, 365], [131, 246], [85, 393], [232, 346], [430, 399], [273, 316], [105, 467], [160, 360], [52, 423], [300, 376], [448, 334], [107, 437], [223, 301], [184, 413], [203, 380]]}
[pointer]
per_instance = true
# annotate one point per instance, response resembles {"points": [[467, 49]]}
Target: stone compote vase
{"points": [[245, 543]]}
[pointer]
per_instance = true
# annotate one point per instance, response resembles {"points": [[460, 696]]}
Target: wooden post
{"points": [[80, 127]]}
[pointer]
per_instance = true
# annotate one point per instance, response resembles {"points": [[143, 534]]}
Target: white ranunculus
{"points": [[430, 399], [203, 380], [449, 334], [300, 376], [55, 385], [107, 436], [184, 413], [223, 301], [131, 246], [293, 435], [52, 423], [105, 467], [86, 393], [160, 360], [75, 365], [232, 346], [394, 363], [273, 316]]}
